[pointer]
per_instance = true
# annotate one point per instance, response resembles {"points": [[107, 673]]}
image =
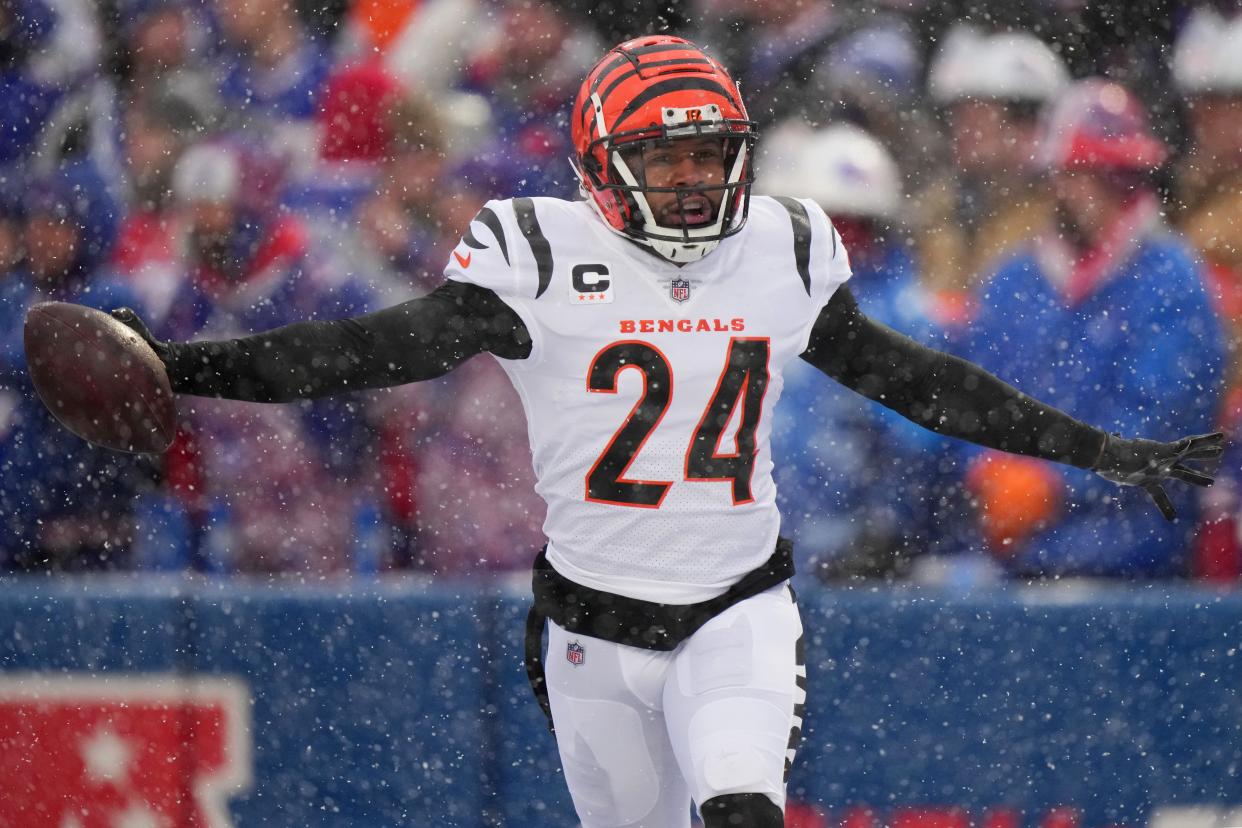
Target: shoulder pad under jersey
{"points": [[505, 249], [819, 256]]}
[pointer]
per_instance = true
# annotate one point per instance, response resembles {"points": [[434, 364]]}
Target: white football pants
{"points": [[642, 732]]}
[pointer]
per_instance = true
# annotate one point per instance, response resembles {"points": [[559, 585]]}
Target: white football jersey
{"points": [[649, 388]]}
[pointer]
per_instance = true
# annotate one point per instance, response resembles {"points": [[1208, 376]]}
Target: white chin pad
{"points": [[679, 252]]}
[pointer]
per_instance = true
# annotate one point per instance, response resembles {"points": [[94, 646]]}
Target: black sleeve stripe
{"points": [[529, 223], [802, 238], [491, 221]]}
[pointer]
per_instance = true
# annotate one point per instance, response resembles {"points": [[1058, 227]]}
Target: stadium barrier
{"points": [[401, 703]]}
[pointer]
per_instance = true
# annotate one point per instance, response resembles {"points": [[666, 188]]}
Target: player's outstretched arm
{"points": [[420, 339], [957, 398]]}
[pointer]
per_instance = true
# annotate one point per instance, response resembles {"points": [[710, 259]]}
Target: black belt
{"points": [[585, 611]]}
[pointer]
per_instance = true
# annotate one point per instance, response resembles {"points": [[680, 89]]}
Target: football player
{"points": [[646, 328]]}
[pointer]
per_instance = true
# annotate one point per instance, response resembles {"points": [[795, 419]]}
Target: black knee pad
{"points": [[743, 810]]}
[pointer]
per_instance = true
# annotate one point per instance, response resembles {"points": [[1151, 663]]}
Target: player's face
{"points": [[685, 162]]}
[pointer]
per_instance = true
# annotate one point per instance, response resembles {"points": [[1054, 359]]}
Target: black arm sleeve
{"points": [[942, 392], [416, 340]]}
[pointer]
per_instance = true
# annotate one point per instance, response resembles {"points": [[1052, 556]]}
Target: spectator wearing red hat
{"points": [[353, 113], [355, 120], [1107, 297], [441, 437], [375, 203]]}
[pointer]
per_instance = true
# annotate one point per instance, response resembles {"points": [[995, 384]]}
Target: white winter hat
{"points": [[1010, 66], [1208, 54], [844, 169]]}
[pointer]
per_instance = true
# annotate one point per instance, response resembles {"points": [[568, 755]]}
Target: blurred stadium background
{"points": [[310, 614]]}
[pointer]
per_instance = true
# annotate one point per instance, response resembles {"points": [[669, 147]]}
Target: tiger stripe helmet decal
{"points": [[660, 88]]}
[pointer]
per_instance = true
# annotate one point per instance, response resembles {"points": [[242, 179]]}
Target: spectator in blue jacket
{"points": [[1108, 299], [63, 503], [837, 453]]}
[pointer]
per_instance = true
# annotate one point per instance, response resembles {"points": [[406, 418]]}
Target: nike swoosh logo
{"points": [[464, 261]]}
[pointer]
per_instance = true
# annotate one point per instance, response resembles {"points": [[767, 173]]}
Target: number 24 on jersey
{"points": [[743, 382]]}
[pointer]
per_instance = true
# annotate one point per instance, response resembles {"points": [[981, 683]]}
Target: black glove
{"points": [[1148, 463], [130, 318]]}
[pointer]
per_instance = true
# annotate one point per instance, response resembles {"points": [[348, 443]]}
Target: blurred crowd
{"points": [[1051, 189]]}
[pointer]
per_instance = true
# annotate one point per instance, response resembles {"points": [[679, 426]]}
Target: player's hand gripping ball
{"points": [[99, 378]]}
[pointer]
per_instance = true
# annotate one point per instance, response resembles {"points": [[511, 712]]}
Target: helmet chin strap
{"points": [[583, 188], [680, 252]]}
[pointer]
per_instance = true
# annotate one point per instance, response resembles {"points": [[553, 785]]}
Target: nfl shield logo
{"points": [[575, 654], [680, 290], [132, 750]]}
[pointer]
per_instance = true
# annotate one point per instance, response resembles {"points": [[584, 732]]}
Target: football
{"points": [[99, 378]]}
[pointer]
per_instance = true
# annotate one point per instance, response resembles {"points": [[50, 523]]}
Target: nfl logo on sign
{"points": [[122, 750], [575, 654], [680, 290]]}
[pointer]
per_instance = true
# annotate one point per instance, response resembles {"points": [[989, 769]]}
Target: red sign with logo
{"points": [[138, 751]]}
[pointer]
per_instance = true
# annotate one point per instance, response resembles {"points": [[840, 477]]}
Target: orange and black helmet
{"points": [[658, 89]]}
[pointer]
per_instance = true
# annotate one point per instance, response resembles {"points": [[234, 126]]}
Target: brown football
{"points": [[99, 378]]}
